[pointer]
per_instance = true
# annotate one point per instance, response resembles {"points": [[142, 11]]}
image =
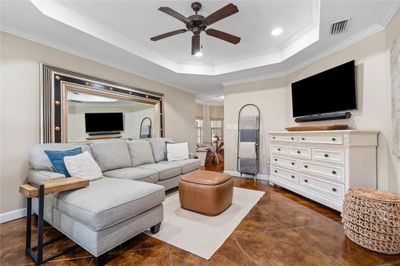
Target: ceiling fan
{"points": [[198, 23]]}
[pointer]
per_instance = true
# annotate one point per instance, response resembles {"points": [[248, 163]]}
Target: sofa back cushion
{"points": [[159, 148], [40, 161], [111, 154], [140, 152]]}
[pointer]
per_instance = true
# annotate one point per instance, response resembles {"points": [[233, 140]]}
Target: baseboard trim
{"points": [[12, 215], [258, 176]]}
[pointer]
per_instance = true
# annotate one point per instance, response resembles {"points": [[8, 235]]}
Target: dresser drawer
{"points": [[286, 162], [331, 139], [280, 150], [284, 138], [334, 172], [285, 174], [300, 152], [326, 188], [334, 156]]}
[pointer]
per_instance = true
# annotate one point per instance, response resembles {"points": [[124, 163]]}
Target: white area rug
{"points": [[199, 234]]}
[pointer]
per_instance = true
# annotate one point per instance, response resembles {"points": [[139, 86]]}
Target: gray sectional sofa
{"points": [[120, 205]]}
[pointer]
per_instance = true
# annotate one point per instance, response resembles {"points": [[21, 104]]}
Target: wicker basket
{"points": [[372, 219]]}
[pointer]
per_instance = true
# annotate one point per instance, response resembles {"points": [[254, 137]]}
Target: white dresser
{"points": [[322, 165]]}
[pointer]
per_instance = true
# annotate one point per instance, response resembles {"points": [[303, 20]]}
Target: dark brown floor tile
{"points": [[258, 221], [228, 254], [288, 194], [331, 241], [325, 211], [71, 262], [182, 257], [282, 229], [157, 256], [279, 247], [294, 215], [141, 241]]}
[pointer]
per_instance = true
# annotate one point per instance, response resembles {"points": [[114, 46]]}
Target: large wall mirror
{"points": [[78, 108]]}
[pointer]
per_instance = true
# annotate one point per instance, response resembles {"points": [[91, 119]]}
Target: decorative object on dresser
{"points": [[317, 128], [371, 219], [323, 165]]}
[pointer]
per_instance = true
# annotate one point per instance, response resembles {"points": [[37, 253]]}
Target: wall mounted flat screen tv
{"points": [[330, 91], [104, 122]]}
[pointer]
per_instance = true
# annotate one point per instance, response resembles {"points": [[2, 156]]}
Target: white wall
{"points": [[20, 120], [269, 96], [373, 97]]}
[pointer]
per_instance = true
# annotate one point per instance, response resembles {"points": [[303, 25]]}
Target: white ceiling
{"points": [[117, 33]]}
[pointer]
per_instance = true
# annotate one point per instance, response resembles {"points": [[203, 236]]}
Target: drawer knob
{"points": [[273, 137], [279, 149], [334, 189], [306, 180], [334, 172], [292, 138], [298, 152], [303, 138], [333, 139], [326, 155], [305, 166], [292, 176], [276, 171], [292, 163], [275, 160]]}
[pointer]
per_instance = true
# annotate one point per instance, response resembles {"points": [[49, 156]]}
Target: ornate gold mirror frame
{"points": [[54, 107]]}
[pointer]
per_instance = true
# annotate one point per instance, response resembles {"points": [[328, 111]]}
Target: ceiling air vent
{"points": [[339, 27]]}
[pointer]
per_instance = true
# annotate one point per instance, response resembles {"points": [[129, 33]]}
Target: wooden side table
{"points": [[39, 191]]}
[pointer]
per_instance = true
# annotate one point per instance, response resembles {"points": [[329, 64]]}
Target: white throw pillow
{"points": [[83, 165], [177, 151]]}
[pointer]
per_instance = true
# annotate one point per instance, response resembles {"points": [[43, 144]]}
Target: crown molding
{"points": [[330, 51], [95, 59]]}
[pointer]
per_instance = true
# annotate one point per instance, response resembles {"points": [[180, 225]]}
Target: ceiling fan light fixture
{"points": [[197, 23], [276, 31]]}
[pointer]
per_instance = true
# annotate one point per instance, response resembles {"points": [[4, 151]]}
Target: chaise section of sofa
{"points": [[125, 202], [105, 214], [108, 212]]}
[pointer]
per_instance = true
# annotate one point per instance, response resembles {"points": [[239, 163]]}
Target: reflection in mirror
{"points": [[146, 128], [93, 116]]}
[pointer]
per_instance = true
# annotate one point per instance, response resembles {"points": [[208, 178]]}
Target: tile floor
{"points": [[282, 229]]}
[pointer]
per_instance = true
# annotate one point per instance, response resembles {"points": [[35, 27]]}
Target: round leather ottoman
{"points": [[206, 192]]}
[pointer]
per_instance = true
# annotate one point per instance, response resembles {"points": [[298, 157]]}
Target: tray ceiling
{"points": [[117, 33]]}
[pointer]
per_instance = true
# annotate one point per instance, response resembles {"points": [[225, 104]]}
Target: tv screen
{"points": [[104, 122], [330, 91]]}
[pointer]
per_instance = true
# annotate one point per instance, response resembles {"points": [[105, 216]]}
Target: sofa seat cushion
{"points": [[186, 165], [165, 171], [111, 154], [109, 201], [134, 173]]}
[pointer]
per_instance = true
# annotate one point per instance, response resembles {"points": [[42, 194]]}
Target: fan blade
{"points": [[168, 34], [195, 43], [222, 13], [175, 14], [223, 36]]}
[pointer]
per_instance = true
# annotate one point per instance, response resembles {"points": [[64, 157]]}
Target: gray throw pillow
{"points": [[159, 148]]}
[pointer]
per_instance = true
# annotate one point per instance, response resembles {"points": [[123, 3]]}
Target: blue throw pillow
{"points": [[57, 159]]}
